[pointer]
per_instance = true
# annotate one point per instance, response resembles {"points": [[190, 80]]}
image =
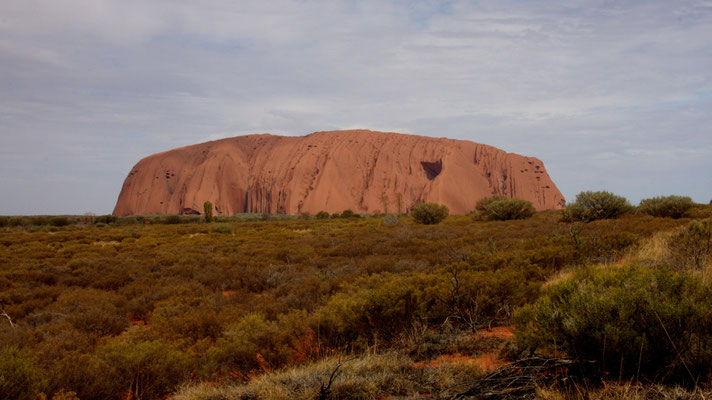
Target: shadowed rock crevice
{"points": [[432, 169]]}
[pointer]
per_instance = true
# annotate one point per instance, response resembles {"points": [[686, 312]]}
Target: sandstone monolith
{"points": [[362, 170]]}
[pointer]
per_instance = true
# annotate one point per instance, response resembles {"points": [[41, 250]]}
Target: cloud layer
{"points": [[610, 95]]}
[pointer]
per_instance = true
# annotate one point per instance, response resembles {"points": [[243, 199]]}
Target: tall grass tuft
{"points": [[369, 377]]}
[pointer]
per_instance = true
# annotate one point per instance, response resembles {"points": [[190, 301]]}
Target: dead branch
{"points": [[9, 319], [325, 391], [516, 380]]}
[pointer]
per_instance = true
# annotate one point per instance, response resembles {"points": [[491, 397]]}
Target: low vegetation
{"points": [[244, 307], [691, 248], [635, 322], [481, 205], [367, 377]]}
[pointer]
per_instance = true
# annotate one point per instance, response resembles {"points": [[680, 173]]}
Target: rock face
{"points": [[361, 170]]}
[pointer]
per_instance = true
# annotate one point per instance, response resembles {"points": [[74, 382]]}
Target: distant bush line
{"points": [[588, 206]]}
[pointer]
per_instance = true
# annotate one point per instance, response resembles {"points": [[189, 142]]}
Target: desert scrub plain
{"points": [[267, 307]]}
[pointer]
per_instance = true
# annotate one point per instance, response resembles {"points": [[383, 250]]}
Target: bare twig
{"points": [[516, 380], [325, 391], [679, 354], [9, 319]]}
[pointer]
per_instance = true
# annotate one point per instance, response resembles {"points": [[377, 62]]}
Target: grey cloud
{"points": [[608, 95]]}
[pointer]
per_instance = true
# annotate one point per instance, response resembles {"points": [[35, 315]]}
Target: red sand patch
{"points": [[502, 332], [487, 361]]}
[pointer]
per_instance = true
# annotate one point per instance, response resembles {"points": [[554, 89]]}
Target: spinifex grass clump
{"points": [[367, 377]]}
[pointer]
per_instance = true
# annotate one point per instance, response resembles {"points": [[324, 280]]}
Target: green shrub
{"points": [[590, 206], [149, 369], [348, 214], [92, 311], [506, 209], [20, 378], [481, 205], [171, 219], [106, 219], [692, 246], [634, 318], [429, 213], [59, 221], [666, 206], [363, 315], [249, 343], [322, 215], [19, 221], [335, 215], [178, 319], [36, 220]]}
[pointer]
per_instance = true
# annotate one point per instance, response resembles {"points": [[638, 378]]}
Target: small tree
{"points": [[208, 211], [322, 215], [429, 213], [590, 206]]}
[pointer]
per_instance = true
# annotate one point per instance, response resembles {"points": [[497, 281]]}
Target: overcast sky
{"points": [[611, 95]]}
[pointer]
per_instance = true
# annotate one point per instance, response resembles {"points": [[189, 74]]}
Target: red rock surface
{"points": [[361, 170]]}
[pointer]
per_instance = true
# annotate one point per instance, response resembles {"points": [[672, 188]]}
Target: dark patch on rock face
{"points": [[432, 169]]}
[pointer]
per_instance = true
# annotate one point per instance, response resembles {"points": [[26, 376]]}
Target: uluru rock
{"points": [[362, 170]]}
